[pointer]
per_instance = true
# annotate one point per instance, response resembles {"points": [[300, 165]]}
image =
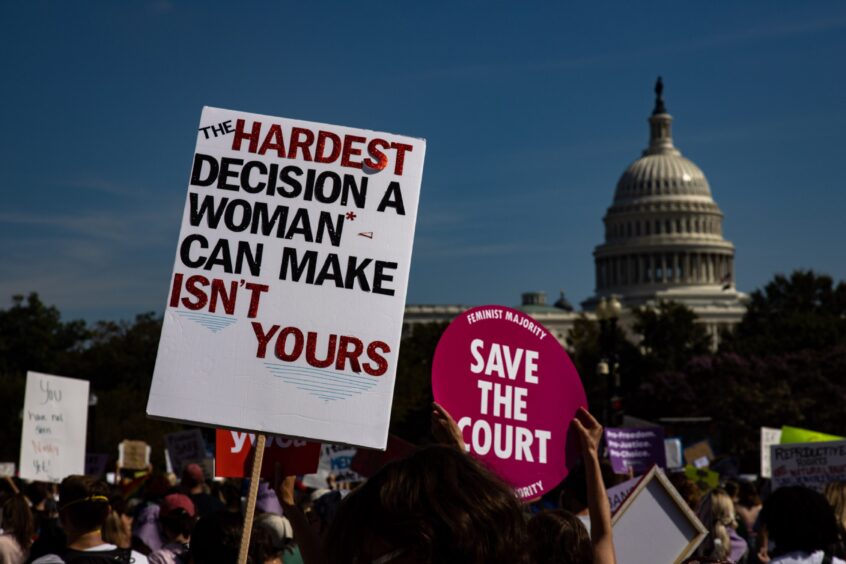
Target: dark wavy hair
{"points": [[559, 536], [84, 502], [799, 519], [437, 505], [17, 519]]}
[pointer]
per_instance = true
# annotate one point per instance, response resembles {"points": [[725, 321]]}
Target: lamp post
{"points": [[608, 312]]}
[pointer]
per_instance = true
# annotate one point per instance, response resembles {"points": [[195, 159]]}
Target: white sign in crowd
{"points": [[286, 303], [55, 417]]}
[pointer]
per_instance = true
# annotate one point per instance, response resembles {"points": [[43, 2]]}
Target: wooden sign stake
{"points": [[251, 499]]}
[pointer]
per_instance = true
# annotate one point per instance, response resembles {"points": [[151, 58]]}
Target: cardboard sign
{"points": [[95, 464], [792, 435], [635, 450], [290, 457], [286, 304], [185, 447], [7, 469], [654, 524], [55, 419], [769, 437], [812, 465], [134, 455], [699, 454], [513, 391]]}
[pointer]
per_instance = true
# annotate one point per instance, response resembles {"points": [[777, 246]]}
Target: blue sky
{"points": [[531, 112]]}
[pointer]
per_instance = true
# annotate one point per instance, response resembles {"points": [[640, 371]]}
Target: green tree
{"points": [[670, 336], [805, 311]]}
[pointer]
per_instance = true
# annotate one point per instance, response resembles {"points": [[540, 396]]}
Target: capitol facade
{"points": [[663, 242]]}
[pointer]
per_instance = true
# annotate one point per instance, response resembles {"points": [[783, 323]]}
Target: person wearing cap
{"points": [[177, 517], [83, 508], [194, 486]]}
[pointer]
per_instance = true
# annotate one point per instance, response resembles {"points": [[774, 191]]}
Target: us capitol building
{"points": [[663, 242]]}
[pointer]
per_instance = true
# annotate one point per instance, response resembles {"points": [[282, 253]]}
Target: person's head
{"points": [[835, 494], [799, 519], [193, 477], [716, 511], [16, 519], [83, 504], [216, 539], [177, 516], [559, 536], [118, 527], [732, 488], [748, 496], [437, 505], [687, 489]]}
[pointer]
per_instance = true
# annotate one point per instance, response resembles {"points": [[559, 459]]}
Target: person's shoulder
{"points": [[138, 558], [48, 559]]}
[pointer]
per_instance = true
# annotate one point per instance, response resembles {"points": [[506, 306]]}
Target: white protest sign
{"points": [[769, 437], [184, 447], [288, 292], [7, 469], [55, 417], [334, 469], [134, 455], [618, 494], [811, 465], [673, 452], [654, 524]]}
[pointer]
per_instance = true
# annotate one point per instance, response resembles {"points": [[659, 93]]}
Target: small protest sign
{"points": [[7, 469], [95, 464], [699, 454], [290, 457], [618, 494], [513, 392], [792, 435], [635, 450], [334, 471], [184, 447], [769, 437], [811, 465], [286, 303], [673, 452], [55, 418], [133, 455], [655, 511], [704, 478]]}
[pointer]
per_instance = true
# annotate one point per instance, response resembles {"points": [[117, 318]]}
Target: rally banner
{"points": [[812, 465], [792, 435], [769, 437], [513, 392], [234, 453], [55, 420], [635, 450], [286, 303]]}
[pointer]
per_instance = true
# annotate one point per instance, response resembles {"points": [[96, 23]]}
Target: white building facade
{"points": [[663, 241]]}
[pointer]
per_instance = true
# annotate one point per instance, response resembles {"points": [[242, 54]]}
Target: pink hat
{"points": [[194, 472], [176, 501]]}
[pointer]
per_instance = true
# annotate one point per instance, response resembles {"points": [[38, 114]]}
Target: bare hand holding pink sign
{"points": [[513, 392]]}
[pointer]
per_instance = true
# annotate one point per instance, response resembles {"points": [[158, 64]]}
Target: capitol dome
{"points": [[664, 231]]}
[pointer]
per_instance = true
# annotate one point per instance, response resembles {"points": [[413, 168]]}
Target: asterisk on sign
{"points": [[351, 215]]}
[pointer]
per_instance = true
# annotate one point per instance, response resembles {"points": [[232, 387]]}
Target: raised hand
{"points": [[444, 428], [589, 431]]}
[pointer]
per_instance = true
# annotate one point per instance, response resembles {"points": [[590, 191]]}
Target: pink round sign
{"points": [[513, 391]]}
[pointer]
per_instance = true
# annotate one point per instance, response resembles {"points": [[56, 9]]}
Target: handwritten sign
{"points": [[699, 454], [513, 391], [635, 450], [7, 469], [234, 452], [286, 304], [134, 455], [55, 417], [812, 465], [185, 447]]}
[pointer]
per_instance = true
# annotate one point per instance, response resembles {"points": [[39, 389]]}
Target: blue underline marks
{"points": [[213, 323], [328, 385]]}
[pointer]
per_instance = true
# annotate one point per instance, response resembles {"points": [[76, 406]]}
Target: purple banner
{"points": [[637, 449]]}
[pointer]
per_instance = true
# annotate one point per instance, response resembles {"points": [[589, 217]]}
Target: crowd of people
{"points": [[437, 505]]}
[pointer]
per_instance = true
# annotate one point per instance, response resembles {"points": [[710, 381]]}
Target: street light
{"points": [[608, 311]]}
